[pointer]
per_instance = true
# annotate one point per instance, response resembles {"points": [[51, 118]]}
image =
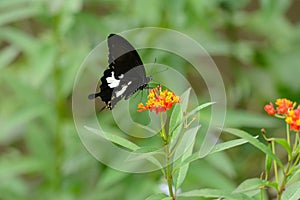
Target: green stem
{"points": [[275, 164], [288, 135], [163, 131], [297, 160], [283, 183], [296, 150], [169, 177], [168, 171]]}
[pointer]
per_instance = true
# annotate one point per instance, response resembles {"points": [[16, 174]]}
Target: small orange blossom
{"points": [[285, 109], [159, 100]]}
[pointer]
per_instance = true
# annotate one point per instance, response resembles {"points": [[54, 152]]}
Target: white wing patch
{"points": [[112, 82], [120, 92]]}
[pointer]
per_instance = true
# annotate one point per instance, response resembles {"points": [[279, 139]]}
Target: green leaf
{"points": [[268, 163], [254, 142], [159, 196], [23, 91], [20, 39], [198, 108], [295, 172], [214, 193], [191, 113], [249, 187], [271, 7], [18, 165], [269, 184], [7, 55], [110, 177], [6, 4], [227, 145], [153, 154], [292, 192], [285, 145], [42, 62], [114, 138], [14, 188], [184, 100], [217, 148], [177, 116], [20, 13], [183, 151], [23, 117], [227, 167]]}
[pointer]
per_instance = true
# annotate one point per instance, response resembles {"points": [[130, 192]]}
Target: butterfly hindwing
{"points": [[125, 74]]}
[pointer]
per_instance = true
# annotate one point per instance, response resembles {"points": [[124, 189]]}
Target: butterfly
{"points": [[125, 74]]}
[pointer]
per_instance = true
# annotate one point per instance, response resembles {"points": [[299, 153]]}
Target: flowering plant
{"points": [[287, 110], [177, 127], [178, 139]]}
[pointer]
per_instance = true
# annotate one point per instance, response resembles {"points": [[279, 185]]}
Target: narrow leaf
{"points": [[191, 113], [159, 196], [114, 138], [255, 142], [268, 163], [213, 193], [292, 192], [183, 151], [217, 148], [227, 145], [7, 55], [177, 115], [18, 14], [250, 187], [284, 144]]}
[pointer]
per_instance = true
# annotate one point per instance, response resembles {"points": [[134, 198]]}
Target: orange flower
{"points": [[293, 119], [269, 108], [159, 101], [283, 106], [285, 109]]}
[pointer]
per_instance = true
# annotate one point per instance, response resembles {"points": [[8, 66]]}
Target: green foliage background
{"points": [[255, 44]]}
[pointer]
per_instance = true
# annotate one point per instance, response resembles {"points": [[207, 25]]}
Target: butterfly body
{"points": [[125, 74]]}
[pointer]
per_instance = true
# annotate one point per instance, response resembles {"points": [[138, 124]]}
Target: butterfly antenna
{"points": [[160, 70]]}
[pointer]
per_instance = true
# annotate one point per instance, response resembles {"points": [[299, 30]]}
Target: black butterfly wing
{"points": [[123, 57], [125, 75]]}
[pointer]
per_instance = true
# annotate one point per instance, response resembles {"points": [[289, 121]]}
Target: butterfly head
{"points": [[148, 79]]}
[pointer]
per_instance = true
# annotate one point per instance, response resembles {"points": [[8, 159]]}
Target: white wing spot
{"points": [[119, 93], [121, 76], [112, 82]]}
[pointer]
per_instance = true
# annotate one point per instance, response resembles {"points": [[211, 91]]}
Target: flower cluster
{"points": [[285, 109], [293, 119], [159, 101]]}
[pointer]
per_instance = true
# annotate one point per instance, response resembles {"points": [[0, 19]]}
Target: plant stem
{"points": [[282, 186], [169, 178], [275, 164], [288, 135], [163, 133], [168, 174]]}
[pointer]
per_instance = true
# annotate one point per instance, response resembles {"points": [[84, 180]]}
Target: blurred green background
{"points": [[255, 44]]}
